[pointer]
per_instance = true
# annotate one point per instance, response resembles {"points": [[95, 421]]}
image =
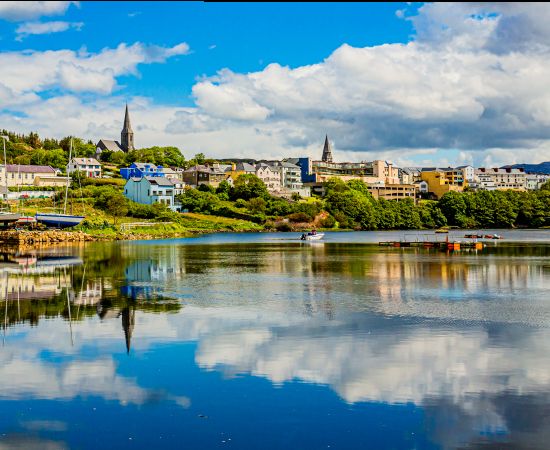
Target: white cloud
{"points": [[78, 71], [17, 11], [31, 28], [472, 82]]}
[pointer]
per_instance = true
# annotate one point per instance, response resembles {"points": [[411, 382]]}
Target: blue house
{"points": [[150, 190], [306, 174], [138, 170]]}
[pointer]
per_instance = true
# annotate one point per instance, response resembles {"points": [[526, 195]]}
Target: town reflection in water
{"points": [[463, 336]]}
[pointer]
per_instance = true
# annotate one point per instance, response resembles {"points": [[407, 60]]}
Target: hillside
{"points": [[532, 168]]}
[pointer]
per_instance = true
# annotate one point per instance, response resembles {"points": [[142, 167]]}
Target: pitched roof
{"points": [[160, 181], [84, 161], [142, 166], [245, 167], [113, 146], [26, 168]]}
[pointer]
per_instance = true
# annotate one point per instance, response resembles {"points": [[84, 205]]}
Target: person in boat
{"points": [[313, 232], [303, 238]]}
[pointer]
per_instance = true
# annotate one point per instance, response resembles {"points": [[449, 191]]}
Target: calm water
{"points": [[263, 341]]}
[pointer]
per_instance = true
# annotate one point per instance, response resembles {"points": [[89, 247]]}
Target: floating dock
{"points": [[445, 245]]}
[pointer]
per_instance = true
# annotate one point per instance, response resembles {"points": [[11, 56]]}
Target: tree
{"points": [[454, 207], [353, 205], [256, 205], [117, 206], [199, 158], [223, 190], [197, 201], [249, 186]]}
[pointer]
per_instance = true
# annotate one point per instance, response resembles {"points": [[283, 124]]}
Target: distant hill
{"points": [[532, 168]]}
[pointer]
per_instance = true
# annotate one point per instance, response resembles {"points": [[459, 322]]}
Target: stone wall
{"points": [[15, 237]]}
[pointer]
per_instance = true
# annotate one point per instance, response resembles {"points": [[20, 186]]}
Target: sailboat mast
{"points": [[5, 171], [67, 187]]}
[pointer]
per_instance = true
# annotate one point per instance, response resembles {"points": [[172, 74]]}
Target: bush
{"points": [[328, 222], [283, 226], [256, 205], [299, 217]]}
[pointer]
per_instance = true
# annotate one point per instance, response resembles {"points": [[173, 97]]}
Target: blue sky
{"points": [[413, 83], [240, 36]]}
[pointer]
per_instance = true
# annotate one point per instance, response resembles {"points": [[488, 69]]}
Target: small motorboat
{"points": [[312, 236], [442, 230], [473, 236], [492, 236], [26, 220]]}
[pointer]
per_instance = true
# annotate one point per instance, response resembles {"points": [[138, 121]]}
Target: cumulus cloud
{"points": [[78, 71], [17, 11], [31, 28], [470, 85]]}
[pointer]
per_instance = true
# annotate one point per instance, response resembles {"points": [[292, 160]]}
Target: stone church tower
{"points": [[327, 151], [127, 134]]}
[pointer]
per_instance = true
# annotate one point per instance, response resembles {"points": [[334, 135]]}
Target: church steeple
{"points": [[127, 134], [128, 323], [327, 151]]}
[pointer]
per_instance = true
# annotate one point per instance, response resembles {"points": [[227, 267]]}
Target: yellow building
{"points": [[393, 191], [441, 181], [24, 174]]}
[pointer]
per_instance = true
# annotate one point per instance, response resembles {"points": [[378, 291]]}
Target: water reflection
{"points": [[464, 336]]}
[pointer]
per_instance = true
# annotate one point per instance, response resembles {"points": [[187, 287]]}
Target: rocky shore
{"points": [[18, 237]]}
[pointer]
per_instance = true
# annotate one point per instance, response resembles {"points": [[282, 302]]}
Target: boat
{"points": [[26, 220], [442, 230], [312, 236], [64, 220], [58, 220], [473, 236], [492, 236]]}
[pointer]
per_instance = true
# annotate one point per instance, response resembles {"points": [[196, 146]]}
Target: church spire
{"points": [[327, 151], [127, 134], [128, 323]]}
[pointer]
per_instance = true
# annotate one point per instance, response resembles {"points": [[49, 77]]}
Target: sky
{"points": [[412, 83]]}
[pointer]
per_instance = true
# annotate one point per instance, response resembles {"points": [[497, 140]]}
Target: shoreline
{"points": [[37, 239]]}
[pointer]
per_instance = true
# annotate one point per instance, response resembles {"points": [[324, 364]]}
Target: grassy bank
{"points": [[103, 226]]}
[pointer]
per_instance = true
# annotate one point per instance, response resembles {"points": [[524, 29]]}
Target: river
{"points": [[259, 340]]}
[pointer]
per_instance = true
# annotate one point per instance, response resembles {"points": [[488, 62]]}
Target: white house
{"points": [[150, 190], [468, 173], [270, 176], [534, 181], [422, 186], [496, 178], [91, 167]]}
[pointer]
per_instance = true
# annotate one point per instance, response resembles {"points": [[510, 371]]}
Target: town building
{"points": [[126, 143], [468, 174], [241, 168], [534, 181], [151, 190], [498, 179], [26, 175], [174, 173], [270, 176], [90, 167], [138, 170], [422, 187], [440, 181], [204, 174], [393, 191], [409, 175]]}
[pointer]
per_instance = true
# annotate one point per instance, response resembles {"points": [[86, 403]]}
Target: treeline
{"points": [[31, 149], [350, 205]]}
